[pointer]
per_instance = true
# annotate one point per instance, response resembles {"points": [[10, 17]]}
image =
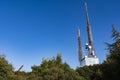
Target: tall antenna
{"points": [[80, 51], [87, 17], [89, 46]]}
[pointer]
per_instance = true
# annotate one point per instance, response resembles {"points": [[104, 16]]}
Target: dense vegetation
{"points": [[55, 69]]}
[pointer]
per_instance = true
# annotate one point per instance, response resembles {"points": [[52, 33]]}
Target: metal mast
{"points": [[89, 45], [80, 52], [18, 72]]}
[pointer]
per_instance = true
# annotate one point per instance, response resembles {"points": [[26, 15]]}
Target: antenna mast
{"points": [[89, 45], [80, 51]]}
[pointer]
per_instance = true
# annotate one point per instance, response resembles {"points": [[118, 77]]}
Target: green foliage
{"points": [[6, 69], [90, 72], [111, 66], [54, 69], [115, 34]]}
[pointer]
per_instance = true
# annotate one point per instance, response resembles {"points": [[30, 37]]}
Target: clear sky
{"points": [[33, 29]]}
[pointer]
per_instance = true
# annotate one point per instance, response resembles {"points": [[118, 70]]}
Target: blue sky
{"points": [[33, 29]]}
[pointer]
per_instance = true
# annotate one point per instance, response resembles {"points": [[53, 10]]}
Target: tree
{"points": [[54, 69], [6, 69], [111, 67], [90, 72]]}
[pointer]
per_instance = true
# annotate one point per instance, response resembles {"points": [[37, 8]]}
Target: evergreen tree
{"points": [[111, 67]]}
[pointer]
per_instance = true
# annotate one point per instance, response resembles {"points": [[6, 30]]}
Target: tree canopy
{"points": [[6, 69]]}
